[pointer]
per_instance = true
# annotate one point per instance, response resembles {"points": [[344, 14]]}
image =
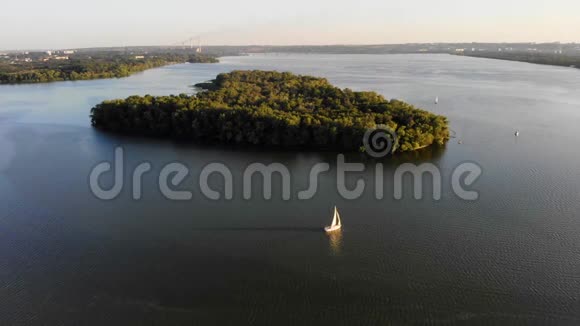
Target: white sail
{"points": [[336, 222], [335, 218]]}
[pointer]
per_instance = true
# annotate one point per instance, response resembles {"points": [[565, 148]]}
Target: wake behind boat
{"points": [[336, 223]]}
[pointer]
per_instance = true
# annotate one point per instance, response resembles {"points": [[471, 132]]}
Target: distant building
{"points": [[68, 52], [61, 58], [459, 50], [49, 52], [137, 57]]}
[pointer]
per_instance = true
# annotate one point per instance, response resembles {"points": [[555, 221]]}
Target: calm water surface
{"points": [[67, 258]]}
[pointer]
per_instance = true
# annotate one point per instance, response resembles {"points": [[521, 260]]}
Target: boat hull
{"points": [[329, 229]]}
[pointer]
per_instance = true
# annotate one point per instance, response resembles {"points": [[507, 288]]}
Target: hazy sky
{"points": [[79, 23]]}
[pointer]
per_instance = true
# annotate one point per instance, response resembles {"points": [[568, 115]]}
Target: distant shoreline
{"points": [[46, 67], [558, 60], [43, 67]]}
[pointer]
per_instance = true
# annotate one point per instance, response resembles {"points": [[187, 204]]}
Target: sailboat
{"points": [[437, 100], [336, 223]]}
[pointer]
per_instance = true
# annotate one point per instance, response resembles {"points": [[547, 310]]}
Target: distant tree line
{"points": [[272, 109], [553, 59], [91, 67]]}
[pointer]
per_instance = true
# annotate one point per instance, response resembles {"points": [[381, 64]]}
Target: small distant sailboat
{"points": [[517, 133], [437, 100], [336, 222]]}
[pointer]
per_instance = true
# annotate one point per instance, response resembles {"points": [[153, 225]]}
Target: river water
{"points": [[511, 256]]}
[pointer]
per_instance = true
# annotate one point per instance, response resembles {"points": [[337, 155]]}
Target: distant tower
{"points": [[198, 50]]}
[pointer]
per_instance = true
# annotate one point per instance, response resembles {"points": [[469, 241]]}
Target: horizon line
{"points": [[287, 45]]}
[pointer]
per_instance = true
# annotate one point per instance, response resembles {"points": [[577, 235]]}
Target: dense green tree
{"points": [[272, 109]]}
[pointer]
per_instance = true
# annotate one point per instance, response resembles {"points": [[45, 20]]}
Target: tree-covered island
{"points": [[272, 109], [43, 67]]}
